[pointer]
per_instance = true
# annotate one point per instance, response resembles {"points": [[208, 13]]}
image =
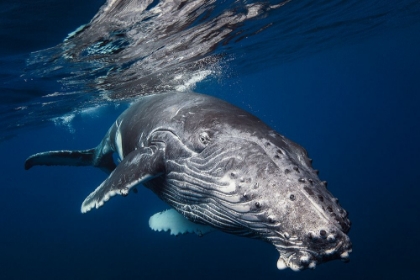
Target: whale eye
{"points": [[204, 138]]}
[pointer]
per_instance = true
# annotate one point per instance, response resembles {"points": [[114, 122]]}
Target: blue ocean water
{"points": [[341, 79]]}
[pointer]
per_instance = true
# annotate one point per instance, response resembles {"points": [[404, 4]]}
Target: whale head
{"points": [[275, 195], [227, 169], [263, 186]]}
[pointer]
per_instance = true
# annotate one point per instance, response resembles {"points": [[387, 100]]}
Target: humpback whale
{"points": [[219, 168]]}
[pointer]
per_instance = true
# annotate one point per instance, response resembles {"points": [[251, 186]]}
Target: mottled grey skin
{"points": [[221, 166]]}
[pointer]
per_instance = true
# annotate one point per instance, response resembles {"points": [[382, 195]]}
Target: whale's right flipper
{"points": [[137, 167]]}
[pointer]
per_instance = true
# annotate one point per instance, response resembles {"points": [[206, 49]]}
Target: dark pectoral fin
{"points": [[135, 168], [76, 158], [72, 158]]}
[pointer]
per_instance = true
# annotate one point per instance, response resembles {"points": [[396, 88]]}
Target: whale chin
{"points": [[298, 260]]}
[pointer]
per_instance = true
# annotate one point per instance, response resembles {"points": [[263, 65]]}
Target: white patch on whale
{"points": [[171, 220], [281, 264], [118, 141], [230, 186]]}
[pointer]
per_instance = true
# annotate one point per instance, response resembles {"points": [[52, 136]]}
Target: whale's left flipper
{"points": [[137, 167], [76, 158], [73, 158]]}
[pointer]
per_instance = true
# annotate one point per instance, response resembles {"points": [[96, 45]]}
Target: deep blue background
{"points": [[355, 108], [31, 25]]}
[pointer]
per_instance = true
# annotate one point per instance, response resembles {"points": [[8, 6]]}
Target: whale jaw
{"points": [[301, 259]]}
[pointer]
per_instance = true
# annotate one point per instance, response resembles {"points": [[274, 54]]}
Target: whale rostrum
{"points": [[220, 168]]}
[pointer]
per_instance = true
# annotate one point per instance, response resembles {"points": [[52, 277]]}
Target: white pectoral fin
{"points": [[136, 168], [171, 220]]}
